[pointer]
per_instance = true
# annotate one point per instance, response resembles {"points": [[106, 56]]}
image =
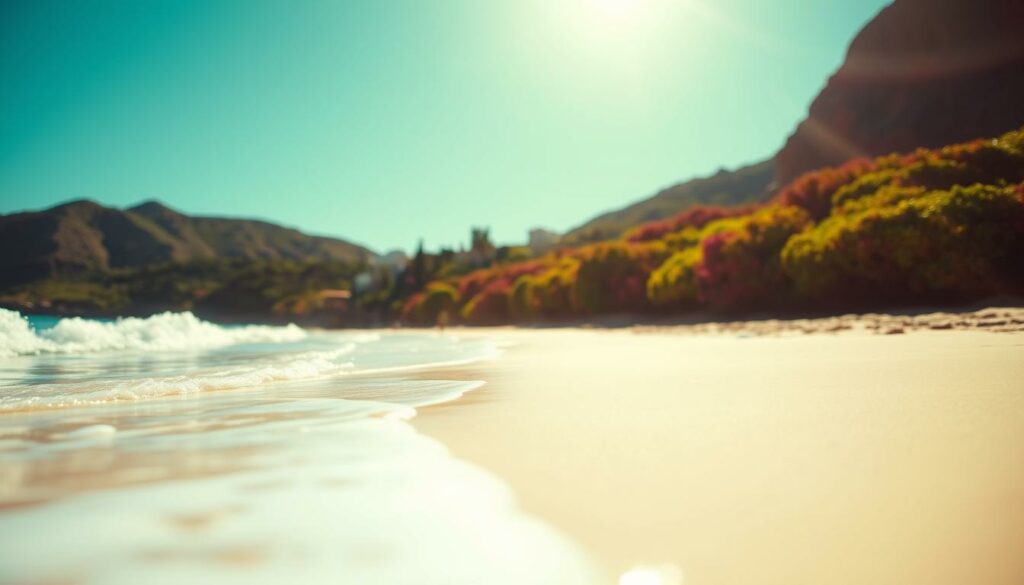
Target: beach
{"points": [[872, 448], [762, 454]]}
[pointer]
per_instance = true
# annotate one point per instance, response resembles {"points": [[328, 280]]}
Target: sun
{"points": [[617, 8]]}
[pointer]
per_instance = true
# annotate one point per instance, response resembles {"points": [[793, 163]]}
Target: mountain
{"points": [[745, 185], [84, 235], [923, 73]]}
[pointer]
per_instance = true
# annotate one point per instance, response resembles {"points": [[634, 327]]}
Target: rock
{"points": [[922, 73], [992, 323]]}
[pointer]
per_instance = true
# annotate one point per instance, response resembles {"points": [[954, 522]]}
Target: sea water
{"points": [[174, 450]]}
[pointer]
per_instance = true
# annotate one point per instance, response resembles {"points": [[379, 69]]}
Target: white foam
{"points": [[308, 491], [294, 367], [316, 481], [92, 432], [166, 331]]}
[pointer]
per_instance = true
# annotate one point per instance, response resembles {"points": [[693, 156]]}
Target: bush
{"points": [[490, 306], [547, 294], [740, 266], [813, 191], [695, 217], [438, 298], [612, 277], [674, 283], [928, 225], [941, 244]]}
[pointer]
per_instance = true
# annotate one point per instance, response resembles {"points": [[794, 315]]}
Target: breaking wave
{"points": [[165, 331]]}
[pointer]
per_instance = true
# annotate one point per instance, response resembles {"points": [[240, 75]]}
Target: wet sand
{"points": [[747, 457]]}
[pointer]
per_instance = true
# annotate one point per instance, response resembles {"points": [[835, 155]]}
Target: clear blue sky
{"points": [[386, 120]]}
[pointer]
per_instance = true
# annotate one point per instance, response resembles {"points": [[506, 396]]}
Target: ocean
{"points": [[170, 449]]}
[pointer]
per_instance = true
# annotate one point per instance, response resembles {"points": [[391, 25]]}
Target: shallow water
{"points": [[174, 450]]}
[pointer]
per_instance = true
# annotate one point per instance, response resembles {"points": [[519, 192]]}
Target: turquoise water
{"points": [[42, 321]]}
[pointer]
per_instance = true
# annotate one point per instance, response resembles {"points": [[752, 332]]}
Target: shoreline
{"points": [[699, 321], [843, 457]]}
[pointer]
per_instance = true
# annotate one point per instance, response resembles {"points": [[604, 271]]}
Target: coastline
{"points": [[756, 455]]}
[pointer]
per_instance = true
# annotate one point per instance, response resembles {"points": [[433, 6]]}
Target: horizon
{"points": [[320, 131]]}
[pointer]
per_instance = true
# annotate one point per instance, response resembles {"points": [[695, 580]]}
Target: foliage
{"points": [[547, 294], [439, 299], [612, 277], [930, 225], [674, 283], [740, 265], [216, 288], [813, 191], [695, 217], [942, 244], [490, 306]]}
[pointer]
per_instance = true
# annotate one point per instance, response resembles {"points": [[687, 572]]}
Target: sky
{"points": [[386, 121]]}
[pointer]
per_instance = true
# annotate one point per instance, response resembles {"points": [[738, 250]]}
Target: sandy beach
{"points": [[764, 457]]}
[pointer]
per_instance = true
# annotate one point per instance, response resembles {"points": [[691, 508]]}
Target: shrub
{"points": [[612, 276], [547, 294], [695, 217], [490, 306], [740, 266], [438, 298], [943, 243], [813, 191], [674, 283]]}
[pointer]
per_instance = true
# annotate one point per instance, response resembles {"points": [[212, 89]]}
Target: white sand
{"points": [[818, 459]]}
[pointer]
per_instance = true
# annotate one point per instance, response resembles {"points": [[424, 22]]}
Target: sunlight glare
{"points": [[617, 8], [661, 575]]}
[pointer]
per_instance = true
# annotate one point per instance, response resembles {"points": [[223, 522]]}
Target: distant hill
{"points": [[84, 235], [739, 187], [923, 73]]}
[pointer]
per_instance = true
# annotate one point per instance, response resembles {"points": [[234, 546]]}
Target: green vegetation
{"points": [[279, 290], [931, 226], [942, 225]]}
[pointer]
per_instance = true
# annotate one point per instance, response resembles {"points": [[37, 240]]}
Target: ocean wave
{"points": [[165, 331], [303, 366]]}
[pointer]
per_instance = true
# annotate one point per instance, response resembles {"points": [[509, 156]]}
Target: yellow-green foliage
{"points": [[547, 294], [682, 239], [740, 265], [741, 262], [439, 298], [959, 241], [612, 277], [675, 281], [861, 186], [885, 196], [930, 225]]}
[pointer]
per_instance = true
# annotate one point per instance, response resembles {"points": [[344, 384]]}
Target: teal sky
{"points": [[388, 120]]}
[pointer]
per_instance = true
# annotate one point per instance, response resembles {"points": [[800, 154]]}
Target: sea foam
{"points": [[165, 331], [282, 368]]}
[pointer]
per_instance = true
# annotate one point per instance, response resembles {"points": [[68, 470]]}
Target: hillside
{"points": [[926, 227], [726, 188], [83, 235], [923, 73]]}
